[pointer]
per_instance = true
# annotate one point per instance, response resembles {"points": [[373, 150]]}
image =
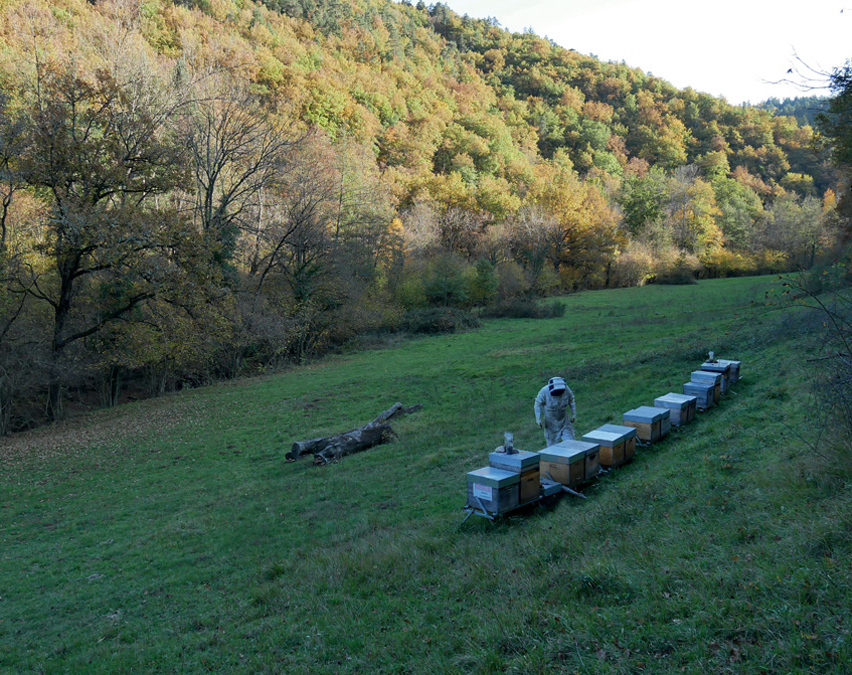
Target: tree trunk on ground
{"points": [[352, 442], [331, 448]]}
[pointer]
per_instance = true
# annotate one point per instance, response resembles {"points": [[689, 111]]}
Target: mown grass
{"points": [[170, 536]]}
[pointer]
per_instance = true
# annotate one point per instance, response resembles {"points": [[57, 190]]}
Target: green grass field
{"points": [[170, 536]]}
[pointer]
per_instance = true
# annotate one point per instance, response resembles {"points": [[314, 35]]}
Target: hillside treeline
{"points": [[195, 190]]}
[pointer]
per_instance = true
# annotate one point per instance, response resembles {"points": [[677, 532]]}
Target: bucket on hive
{"points": [[526, 465], [494, 490], [618, 443], [707, 376], [651, 423], [565, 462], [680, 406]]}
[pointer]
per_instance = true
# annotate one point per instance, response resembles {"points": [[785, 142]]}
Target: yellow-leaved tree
{"points": [[691, 214], [587, 235]]}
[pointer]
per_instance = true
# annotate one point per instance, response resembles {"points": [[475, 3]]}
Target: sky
{"points": [[737, 49]]}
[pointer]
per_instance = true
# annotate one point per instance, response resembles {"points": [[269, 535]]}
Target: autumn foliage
{"points": [[198, 189]]}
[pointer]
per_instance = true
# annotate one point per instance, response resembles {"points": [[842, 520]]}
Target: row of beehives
{"points": [[512, 480]]}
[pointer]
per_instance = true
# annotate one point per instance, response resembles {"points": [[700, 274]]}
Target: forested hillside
{"points": [[805, 109], [194, 189]]}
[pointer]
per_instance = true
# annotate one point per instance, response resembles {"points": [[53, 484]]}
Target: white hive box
{"points": [[723, 368], [735, 369], [651, 423], [681, 407], [707, 376], [704, 392], [495, 489], [618, 443], [526, 465]]}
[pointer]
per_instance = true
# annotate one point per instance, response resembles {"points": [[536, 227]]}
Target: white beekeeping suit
{"points": [[551, 407]]}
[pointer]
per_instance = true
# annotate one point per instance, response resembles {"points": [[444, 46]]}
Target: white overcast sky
{"points": [[730, 48]]}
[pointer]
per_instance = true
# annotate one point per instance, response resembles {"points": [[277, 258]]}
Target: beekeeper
{"points": [[551, 411]]}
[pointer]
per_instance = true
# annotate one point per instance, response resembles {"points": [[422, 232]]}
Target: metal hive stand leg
{"points": [[471, 510], [484, 513]]}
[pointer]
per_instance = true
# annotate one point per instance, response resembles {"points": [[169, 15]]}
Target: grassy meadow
{"points": [[170, 536]]}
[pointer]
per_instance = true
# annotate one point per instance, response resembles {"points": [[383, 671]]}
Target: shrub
{"points": [[523, 308], [681, 271], [824, 278], [675, 277], [553, 310], [771, 262], [445, 283], [548, 282], [512, 281], [483, 282], [438, 320], [826, 293], [409, 292], [725, 263], [634, 266]]}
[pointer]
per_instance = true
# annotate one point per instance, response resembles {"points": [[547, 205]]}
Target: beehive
{"points": [[618, 444], [721, 367], [593, 461], [565, 462], [680, 406], [735, 369], [651, 423], [707, 376], [704, 393], [666, 423], [495, 490], [526, 465]]}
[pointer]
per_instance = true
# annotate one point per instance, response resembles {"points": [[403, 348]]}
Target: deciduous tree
{"points": [[97, 157], [237, 148], [691, 213]]}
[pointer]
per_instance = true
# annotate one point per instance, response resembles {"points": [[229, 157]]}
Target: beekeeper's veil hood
{"points": [[556, 386]]}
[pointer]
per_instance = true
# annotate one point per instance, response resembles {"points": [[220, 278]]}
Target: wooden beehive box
{"points": [[707, 376], [666, 423], [618, 444], [680, 406], [593, 461], [735, 369], [651, 423], [495, 490], [721, 367], [704, 392], [565, 462], [526, 465]]}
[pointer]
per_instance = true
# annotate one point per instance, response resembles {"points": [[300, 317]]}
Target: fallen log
{"points": [[352, 442], [394, 410], [332, 448]]}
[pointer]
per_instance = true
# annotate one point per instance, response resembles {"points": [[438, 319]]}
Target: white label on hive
{"points": [[482, 491]]}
